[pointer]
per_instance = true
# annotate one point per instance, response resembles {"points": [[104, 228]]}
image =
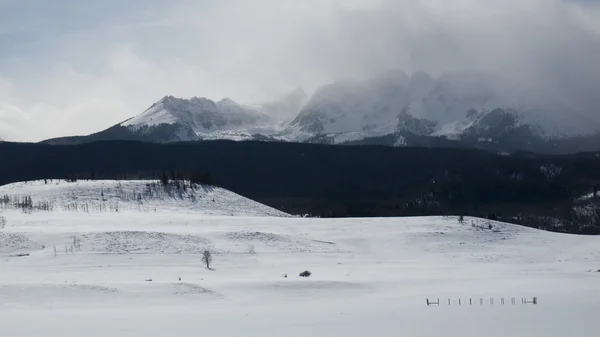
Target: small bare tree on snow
{"points": [[2, 222], [251, 250], [76, 243], [207, 258]]}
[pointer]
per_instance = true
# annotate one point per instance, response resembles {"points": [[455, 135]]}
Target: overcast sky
{"points": [[74, 67]]}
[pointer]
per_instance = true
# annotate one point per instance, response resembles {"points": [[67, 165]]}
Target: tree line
{"points": [[339, 181]]}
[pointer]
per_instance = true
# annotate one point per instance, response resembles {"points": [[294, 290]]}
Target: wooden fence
{"points": [[483, 301]]}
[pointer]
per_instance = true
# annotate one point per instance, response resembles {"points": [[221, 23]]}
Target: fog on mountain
{"points": [[549, 48]]}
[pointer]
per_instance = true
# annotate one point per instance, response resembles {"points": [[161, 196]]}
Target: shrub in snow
{"points": [[251, 250], [305, 273], [207, 258], [2, 222]]}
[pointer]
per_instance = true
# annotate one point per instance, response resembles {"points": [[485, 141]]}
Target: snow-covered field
{"points": [[369, 276]]}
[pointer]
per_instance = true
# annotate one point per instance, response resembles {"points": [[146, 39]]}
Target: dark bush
{"points": [[305, 273]]}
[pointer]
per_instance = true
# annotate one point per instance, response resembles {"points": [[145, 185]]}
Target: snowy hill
{"points": [[141, 272], [122, 196], [107, 257]]}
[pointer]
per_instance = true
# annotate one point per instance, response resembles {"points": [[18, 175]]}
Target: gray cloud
{"points": [[75, 67]]}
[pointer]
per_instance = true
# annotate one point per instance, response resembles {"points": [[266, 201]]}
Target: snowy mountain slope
{"points": [[141, 272], [463, 109], [477, 106], [455, 95], [197, 117], [139, 195], [370, 106]]}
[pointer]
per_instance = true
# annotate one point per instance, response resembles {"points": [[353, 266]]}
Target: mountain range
{"points": [[461, 109]]}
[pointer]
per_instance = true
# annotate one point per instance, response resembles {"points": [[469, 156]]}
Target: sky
{"points": [[72, 67]]}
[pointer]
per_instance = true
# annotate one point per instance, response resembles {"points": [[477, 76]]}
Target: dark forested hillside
{"points": [[333, 181]]}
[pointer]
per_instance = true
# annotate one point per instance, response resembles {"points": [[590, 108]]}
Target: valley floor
{"points": [[369, 276]]}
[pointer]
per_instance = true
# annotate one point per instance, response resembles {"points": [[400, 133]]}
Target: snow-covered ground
{"points": [[369, 276]]}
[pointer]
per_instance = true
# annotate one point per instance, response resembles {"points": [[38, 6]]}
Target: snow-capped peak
{"points": [[227, 101], [459, 106], [439, 107], [199, 114]]}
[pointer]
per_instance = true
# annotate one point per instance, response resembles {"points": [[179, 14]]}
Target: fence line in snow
{"points": [[483, 301]]}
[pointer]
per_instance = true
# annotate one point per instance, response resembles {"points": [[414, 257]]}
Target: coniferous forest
{"points": [[343, 181]]}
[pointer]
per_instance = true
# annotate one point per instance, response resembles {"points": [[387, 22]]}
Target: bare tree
{"points": [[2, 222], [76, 243], [207, 258]]}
